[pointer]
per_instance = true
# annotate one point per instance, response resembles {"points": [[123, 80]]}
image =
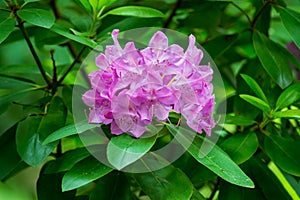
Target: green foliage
{"points": [[256, 156]]}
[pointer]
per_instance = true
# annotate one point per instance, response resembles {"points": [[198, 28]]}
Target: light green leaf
{"points": [[38, 17], [212, 157], [80, 39], [284, 153], [6, 27], [168, 183], [256, 102], [125, 149], [289, 96], [290, 114], [69, 130], [135, 11], [85, 4], [255, 87], [83, 173], [270, 55], [290, 20], [32, 132], [240, 147], [98, 5]]}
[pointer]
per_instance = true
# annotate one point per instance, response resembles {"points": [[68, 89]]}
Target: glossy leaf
{"points": [[135, 11], [256, 102], [6, 27], [212, 157], [240, 147], [97, 5], [270, 55], [290, 20], [284, 153], [239, 120], [83, 173], [125, 149], [290, 114], [166, 183], [38, 17], [289, 96], [255, 87], [32, 132], [69, 130]]}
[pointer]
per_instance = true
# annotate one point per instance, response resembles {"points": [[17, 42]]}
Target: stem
{"points": [[54, 79], [242, 11], [173, 12], [215, 189], [32, 50], [59, 149], [261, 10], [76, 60]]}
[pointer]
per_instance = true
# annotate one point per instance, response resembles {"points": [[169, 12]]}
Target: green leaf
{"points": [[135, 11], [38, 17], [168, 183], [98, 5], [80, 39], [212, 157], [66, 161], [240, 147], [83, 173], [270, 55], [85, 4], [125, 149], [290, 20], [6, 27], [32, 132], [256, 102], [284, 153], [69, 130], [290, 114], [255, 87], [239, 120], [289, 96], [114, 186]]}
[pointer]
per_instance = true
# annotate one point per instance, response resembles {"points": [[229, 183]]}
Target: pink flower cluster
{"points": [[134, 87]]}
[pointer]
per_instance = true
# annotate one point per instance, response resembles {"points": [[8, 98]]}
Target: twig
{"points": [[242, 11], [261, 10], [172, 14]]}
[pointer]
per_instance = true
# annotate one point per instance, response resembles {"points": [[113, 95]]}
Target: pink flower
{"points": [[134, 87]]}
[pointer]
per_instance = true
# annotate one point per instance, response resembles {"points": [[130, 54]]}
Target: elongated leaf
{"points": [[124, 149], [215, 159], [256, 102], [135, 11], [83, 173], [255, 87], [6, 27], [98, 5], [284, 153], [240, 147], [239, 120], [80, 39], [38, 17], [290, 20], [85, 4], [32, 132], [289, 96], [166, 183], [69, 130], [290, 114], [270, 55]]}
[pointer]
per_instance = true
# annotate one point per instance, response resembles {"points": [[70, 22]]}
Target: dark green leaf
{"points": [[239, 120], [114, 186], [135, 11], [125, 149], [241, 146], [166, 184], [270, 55], [69, 130], [6, 27], [290, 20], [284, 152], [83, 173], [38, 17], [290, 114], [255, 87], [289, 96], [212, 157], [32, 132], [85, 4], [256, 102]]}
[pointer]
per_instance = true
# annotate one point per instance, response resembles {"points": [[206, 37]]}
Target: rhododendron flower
{"points": [[134, 87]]}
